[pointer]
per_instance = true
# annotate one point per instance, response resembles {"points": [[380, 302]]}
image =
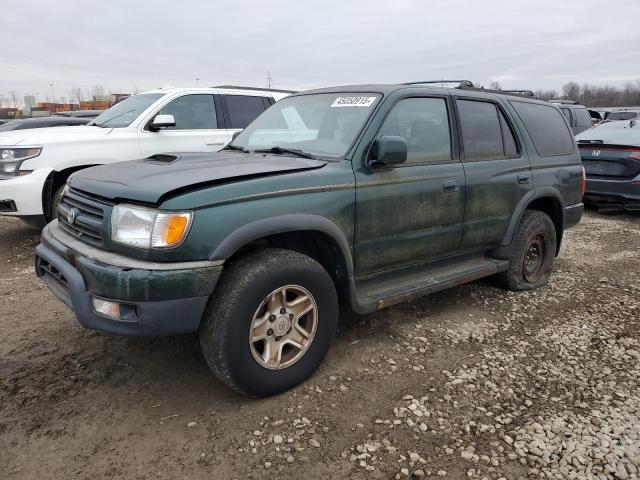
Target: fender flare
{"points": [[524, 202], [283, 224]]}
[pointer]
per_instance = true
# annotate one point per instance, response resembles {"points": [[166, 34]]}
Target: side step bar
{"points": [[386, 291]]}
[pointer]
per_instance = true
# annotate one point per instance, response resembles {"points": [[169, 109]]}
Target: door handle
{"points": [[523, 178], [450, 186], [214, 143]]}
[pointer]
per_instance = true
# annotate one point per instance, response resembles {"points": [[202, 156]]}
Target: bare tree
{"points": [[14, 98], [495, 86], [76, 95], [98, 92], [571, 91]]}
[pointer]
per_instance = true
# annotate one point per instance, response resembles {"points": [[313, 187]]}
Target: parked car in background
{"points": [[35, 164], [611, 156], [80, 113], [44, 122], [578, 116], [621, 115], [367, 195]]}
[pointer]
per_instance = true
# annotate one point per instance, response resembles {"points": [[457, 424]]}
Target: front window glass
{"points": [[192, 112], [125, 112], [323, 124], [424, 124]]}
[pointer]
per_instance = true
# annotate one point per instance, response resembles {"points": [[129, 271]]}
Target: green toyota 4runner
{"points": [[360, 196]]}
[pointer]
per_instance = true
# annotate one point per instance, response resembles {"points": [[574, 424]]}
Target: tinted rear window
{"points": [[583, 118], [243, 109], [546, 128], [481, 130], [622, 116]]}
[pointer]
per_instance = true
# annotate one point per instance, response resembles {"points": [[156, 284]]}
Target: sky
{"points": [[132, 45]]}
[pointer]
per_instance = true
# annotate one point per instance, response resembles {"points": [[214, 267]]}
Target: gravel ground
{"points": [[474, 382]]}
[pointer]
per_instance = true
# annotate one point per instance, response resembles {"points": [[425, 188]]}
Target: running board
{"points": [[400, 286]]}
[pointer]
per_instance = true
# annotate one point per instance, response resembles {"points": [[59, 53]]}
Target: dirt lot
{"points": [[473, 382]]}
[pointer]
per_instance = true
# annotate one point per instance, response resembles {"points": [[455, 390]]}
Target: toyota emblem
{"points": [[71, 215]]}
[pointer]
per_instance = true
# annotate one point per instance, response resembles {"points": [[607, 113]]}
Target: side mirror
{"points": [[388, 150], [162, 121], [235, 134]]}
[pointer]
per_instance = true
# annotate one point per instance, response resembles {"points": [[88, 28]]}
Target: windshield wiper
{"points": [[281, 150], [102, 124], [236, 147]]}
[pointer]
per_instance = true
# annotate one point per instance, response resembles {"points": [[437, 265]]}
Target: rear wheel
{"points": [[270, 322], [534, 252]]}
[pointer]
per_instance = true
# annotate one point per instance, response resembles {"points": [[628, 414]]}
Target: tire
{"points": [[241, 295], [55, 201], [534, 252]]}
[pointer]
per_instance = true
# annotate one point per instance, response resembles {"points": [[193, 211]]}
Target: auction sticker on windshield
{"points": [[353, 102]]}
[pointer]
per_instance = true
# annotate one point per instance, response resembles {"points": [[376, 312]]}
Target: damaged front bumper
{"points": [[155, 298]]}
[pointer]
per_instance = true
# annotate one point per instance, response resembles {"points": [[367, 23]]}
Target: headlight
{"points": [[12, 157], [148, 228]]}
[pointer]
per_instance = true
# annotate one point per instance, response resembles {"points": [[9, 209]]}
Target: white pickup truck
{"points": [[35, 164]]}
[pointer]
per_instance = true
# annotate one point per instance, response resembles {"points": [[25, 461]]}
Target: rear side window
{"points": [[485, 132], [243, 109], [546, 127], [567, 113], [583, 118]]}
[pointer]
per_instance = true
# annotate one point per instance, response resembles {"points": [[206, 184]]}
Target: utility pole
{"points": [[269, 79], [53, 99], [197, 82]]}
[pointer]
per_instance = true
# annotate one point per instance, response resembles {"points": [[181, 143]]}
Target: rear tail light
{"points": [[635, 155], [584, 180]]}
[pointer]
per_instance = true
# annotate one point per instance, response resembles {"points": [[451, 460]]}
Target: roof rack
{"points": [[468, 85], [461, 83], [236, 87], [563, 101]]}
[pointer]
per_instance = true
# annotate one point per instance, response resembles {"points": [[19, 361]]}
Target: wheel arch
{"points": [[55, 180], [547, 200], [313, 235]]}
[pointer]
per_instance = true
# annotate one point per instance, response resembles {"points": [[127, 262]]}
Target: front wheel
{"points": [[270, 322], [534, 252], [55, 202]]}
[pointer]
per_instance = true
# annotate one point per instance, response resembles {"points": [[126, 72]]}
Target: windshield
{"points": [[125, 112], [323, 124], [613, 133]]}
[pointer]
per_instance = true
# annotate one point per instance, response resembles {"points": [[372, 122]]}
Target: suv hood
{"points": [[40, 136], [157, 177]]}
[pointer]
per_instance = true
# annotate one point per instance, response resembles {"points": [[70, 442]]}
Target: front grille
{"points": [[82, 217]]}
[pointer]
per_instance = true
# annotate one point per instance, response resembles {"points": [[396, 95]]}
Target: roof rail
{"points": [[524, 93], [468, 85], [236, 87], [563, 101], [461, 83]]}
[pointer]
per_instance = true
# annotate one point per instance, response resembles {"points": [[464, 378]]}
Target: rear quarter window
{"points": [[583, 118], [546, 127]]}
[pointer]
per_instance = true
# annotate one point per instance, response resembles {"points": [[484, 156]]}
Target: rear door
{"points": [[498, 173], [197, 127]]}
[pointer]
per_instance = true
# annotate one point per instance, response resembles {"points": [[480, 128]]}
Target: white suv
{"points": [[35, 164]]}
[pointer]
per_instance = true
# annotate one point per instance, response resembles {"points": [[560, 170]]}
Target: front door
{"points": [[196, 129], [413, 212]]}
